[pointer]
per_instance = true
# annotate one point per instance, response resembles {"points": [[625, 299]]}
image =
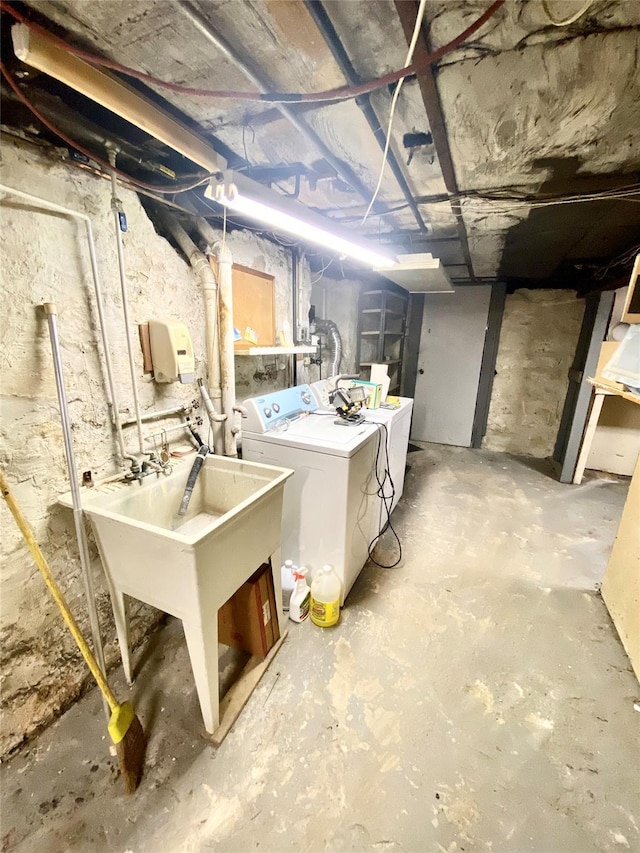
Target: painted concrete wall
{"points": [[539, 334], [43, 258]]}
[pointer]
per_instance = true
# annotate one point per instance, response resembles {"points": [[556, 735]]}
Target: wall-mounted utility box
{"points": [[171, 351]]}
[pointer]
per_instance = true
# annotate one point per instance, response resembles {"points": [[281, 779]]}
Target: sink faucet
{"points": [[193, 476]]}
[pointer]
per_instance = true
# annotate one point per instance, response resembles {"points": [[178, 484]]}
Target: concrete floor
{"points": [[476, 698]]}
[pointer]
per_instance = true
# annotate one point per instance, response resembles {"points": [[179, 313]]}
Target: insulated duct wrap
{"points": [[329, 328]]}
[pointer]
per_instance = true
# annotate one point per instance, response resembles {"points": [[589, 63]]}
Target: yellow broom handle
{"points": [[45, 571]]}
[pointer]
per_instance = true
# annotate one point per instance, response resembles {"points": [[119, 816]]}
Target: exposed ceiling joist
{"points": [[429, 90], [332, 40]]}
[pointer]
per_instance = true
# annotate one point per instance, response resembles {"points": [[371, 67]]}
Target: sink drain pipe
{"points": [[211, 396], [224, 262], [78, 520]]}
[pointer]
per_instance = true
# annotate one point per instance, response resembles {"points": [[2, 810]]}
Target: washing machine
{"points": [[331, 510], [398, 425]]}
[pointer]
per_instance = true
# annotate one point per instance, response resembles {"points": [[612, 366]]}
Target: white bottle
{"points": [[326, 592], [300, 597], [288, 582]]}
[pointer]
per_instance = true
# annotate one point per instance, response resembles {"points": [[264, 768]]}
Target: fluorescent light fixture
{"points": [[254, 201]]}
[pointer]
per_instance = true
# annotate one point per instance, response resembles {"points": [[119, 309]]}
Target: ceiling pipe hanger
{"points": [[342, 169], [332, 39], [437, 124]]}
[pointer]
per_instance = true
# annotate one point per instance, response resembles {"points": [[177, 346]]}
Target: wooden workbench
{"points": [[601, 390], [621, 584]]}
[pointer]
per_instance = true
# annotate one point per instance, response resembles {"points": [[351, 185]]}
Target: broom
{"points": [[124, 726]]}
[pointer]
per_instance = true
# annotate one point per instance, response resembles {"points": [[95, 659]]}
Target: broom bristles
{"points": [[130, 751]]}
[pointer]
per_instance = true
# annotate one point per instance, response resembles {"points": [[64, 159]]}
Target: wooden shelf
{"points": [[381, 332], [306, 350]]}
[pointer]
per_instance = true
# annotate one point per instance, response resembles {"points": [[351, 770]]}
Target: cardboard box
{"points": [[606, 354], [373, 390], [249, 619]]}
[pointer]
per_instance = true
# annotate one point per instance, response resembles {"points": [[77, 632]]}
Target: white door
{"points": [[454, 326]]}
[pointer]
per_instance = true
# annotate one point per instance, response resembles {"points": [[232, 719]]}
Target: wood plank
{"points": [[631, 310], [608, 389], [607, 351], [590, 431], [239, 694], [621, 585], [254, 307]]}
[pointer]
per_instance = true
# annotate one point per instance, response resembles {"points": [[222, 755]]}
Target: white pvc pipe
{"points": [[125, 310], [224, 260], [57, 208], [227, 355], [182, 409], [202, 269]]}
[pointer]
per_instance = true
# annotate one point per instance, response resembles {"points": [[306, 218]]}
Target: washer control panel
{"points": [[275, 410]]}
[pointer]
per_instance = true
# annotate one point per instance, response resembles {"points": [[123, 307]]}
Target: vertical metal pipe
{"points": [[83, 546], [115, 207], [58, 208], [105, 342]]}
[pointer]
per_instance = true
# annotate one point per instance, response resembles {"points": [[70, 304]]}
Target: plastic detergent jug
{"points": [[300, 597], [288, 582], [326, 591]]}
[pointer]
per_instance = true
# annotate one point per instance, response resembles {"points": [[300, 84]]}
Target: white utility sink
{"points": [[189, 566]]}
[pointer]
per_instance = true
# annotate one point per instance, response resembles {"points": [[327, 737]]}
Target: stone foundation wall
{"points": [[539, 334], [44, 258]]}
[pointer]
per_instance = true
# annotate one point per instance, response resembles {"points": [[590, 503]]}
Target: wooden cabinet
{"points": [[381, 332]]}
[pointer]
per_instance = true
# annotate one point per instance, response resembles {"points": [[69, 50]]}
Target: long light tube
{"points": [[298, 224]]}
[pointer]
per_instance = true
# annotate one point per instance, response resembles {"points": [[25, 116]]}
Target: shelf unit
{"points": [[381, 332]]}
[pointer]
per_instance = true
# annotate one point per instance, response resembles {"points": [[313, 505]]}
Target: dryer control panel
{"points": [[275, 410]]}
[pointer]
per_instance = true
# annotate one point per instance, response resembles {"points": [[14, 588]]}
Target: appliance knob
{"points": [[306, 398], [267, 412], [276, 408]]}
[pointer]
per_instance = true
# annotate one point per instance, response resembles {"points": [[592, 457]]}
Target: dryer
{"points": [[331, 511]]}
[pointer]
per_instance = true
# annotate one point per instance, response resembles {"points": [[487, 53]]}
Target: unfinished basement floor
{"points": [[476, 698]]}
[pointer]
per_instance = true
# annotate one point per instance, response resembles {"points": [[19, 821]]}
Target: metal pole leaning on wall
{"points": [[78, 520]]}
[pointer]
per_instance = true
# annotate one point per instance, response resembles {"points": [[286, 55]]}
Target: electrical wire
{"points": [[162, 190], [387, 500], [320, 273], [394, 103], [627, 192], [625, 258], [566, 21], [342, 93], [380, 492]]}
